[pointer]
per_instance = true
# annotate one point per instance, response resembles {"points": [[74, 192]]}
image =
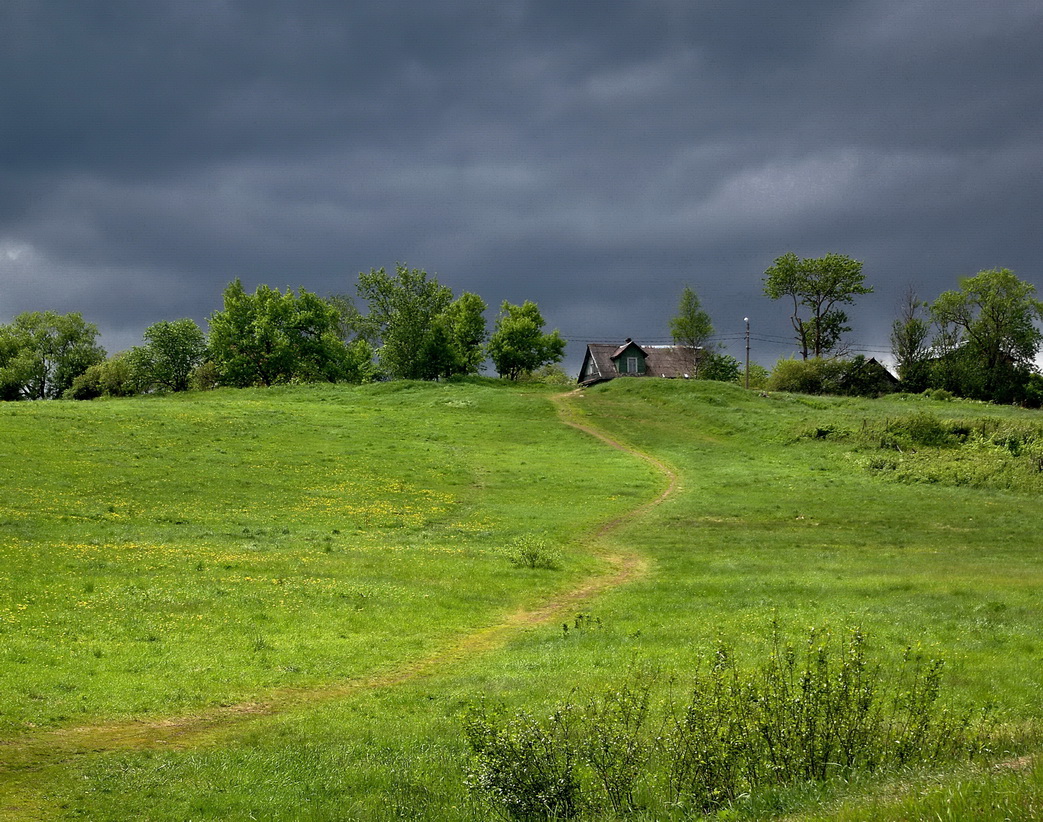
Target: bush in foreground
{"points": [[802, 716]]}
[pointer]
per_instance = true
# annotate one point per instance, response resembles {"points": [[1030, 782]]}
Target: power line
{"points": [[770, 340]]}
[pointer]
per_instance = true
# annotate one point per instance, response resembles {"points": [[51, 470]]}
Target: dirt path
{"points": [[22, 759]]}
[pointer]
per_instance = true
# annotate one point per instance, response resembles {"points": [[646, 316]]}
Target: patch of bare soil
{"points": [[21, 759]]}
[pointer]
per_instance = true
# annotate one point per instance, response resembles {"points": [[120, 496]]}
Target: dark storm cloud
{"points": [[594, 157]]}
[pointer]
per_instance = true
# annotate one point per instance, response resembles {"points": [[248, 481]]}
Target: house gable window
{"points": [[631, 365]]}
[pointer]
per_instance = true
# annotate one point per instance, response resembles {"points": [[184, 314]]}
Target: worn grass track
{"points": [[24, 760]]}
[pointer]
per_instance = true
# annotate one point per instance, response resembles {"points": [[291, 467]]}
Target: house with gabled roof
{"points": [[607, 361]]}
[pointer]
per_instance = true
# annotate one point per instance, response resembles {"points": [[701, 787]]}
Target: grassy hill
{"points": [[284, 602]]}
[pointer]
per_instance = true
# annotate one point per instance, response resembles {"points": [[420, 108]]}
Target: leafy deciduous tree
{"points": [[691, 327], [720, 367], [518, 344], [987, 329], [423, 333], [42, 352], [910, 343], [172, 351], [465, 324], [270, 337], [15, 365], [818, 285], [352, 323], [403, 309]]}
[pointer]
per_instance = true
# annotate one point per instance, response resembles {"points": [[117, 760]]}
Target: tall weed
{"points": [[924, 448], [803, 715]]}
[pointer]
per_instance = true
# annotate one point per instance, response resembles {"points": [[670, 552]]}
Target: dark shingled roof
{"points": [[599, 363]]}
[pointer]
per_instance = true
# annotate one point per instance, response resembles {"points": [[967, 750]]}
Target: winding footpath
{"points": [[23, 760]]}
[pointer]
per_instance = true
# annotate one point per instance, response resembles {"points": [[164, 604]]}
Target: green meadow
{"points": [[284, 603]]}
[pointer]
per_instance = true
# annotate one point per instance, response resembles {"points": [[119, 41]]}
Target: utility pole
{"points": [[747, 321]]}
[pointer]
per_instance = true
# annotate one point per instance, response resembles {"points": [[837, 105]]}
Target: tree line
{"points": [[413, 328], [978, 341]]}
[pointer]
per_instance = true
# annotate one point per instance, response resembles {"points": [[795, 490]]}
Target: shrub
{"points": [[922, 428], [533, 552], [814, 376], [855, 377], [525, 768], [550, 374], [720, 367], [112, 378], [580, 758], [759, 376], [616, 745], [802, 716], [807, 716]]}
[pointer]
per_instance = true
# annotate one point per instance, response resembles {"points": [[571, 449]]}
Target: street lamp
{"points": [[747, 321]]}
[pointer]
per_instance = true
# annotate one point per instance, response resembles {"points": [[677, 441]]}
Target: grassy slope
{"points": [[164, 554], [763, 527], [799, 529]]}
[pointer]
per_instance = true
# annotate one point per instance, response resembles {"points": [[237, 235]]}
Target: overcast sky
{"points": [[592, 156]]}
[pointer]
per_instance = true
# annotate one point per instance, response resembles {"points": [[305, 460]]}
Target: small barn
{"points": [[607, 361]]}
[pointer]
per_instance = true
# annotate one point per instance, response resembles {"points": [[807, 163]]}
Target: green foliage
{"points": [[41, 353], [978, 453], [692, 325], [920, 428], [692, 329], [351, 323], [172, 351], [533, 552], [1033, 391], [453, 345], [525, 768], [910, 333], [15, 365], [812, 376], [270, 337], [550, 374], [818, 285], [206, 377], [855, 377], [464, 321], [618, 740], [115, 377], [803, 715], [863, 377], [720, 367], [759, 376], [987, 336], [808, 715], [588, 757], [404, 311], [518, 345], [424, 334]]}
